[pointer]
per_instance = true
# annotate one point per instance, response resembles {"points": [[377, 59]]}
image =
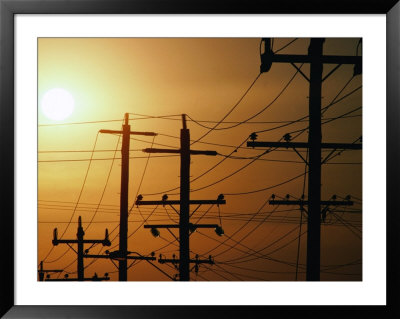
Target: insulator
{"points": [[253, 136], [287, 137], [155, 232], [219, 231], [266, 57]]}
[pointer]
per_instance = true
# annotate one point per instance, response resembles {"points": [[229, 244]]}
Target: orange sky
{"points": [[203, 78]]}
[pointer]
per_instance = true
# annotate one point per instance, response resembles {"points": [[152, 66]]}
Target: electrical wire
{"points": [[286, 45], [253, 116], [230, 111], [301, 218], [74, 123], [265, 188], [105, 187], [77, 203]]}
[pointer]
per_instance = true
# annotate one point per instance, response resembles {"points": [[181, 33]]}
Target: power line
{"points": [[286, 45], [337, 95], [105, 186], [230, 175], [74, 123], [240, 228], [253, 116], [230, 111], [201, 175], [266, 188], [101, 159], [83, 151], [79, 197]]}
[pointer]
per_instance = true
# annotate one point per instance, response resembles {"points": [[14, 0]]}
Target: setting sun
{"points": [[57, 104]]}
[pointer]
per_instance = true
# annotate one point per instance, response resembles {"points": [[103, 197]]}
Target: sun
{"points": [[57, 104]]}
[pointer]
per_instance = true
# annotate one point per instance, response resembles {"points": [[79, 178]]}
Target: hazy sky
{"points": [[203, 78]]}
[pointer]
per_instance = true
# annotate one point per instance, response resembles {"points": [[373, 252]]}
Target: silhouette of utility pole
{"points": [[42, 271], [80, 241], [185, 227], [123, 221], [316, 59]]}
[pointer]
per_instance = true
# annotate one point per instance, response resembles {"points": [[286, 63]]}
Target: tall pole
{"points": [[184, 223], [314, 179], [184, 203], [316, 60], [123, 216], [123, 222], [79, 237]]}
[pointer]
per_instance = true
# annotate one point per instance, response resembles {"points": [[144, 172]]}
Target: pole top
{"points": [[184, 121], [126, 119], [80, 228]]}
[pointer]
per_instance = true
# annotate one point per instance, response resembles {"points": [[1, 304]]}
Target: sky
{"points": [[156, 80]]}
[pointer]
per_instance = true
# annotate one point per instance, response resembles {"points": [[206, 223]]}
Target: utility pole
{"points": [[123, 217], [316, 59], [185, 227], [80, 241], [42, 271]]}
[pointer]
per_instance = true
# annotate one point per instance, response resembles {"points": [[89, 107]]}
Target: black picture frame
{"points": [[8, 8]]}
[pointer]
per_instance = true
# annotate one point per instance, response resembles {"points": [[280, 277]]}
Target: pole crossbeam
{"points": [[76, 279], [77, 241], [191, 226], [298, 58], [119, 257], [305, 202], [177, 202], [42, 271], [192, 261], [178, 151], [343, 146]]}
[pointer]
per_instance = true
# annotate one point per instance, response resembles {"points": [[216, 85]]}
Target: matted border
{"points": [[9, 8]]}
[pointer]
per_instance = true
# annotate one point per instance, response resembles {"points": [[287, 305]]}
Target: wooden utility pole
{"points": [[184, 225], [316, 59], [80, 241], [184, 265], [123, 217]]}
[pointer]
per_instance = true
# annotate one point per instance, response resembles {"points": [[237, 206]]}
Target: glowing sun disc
{"points": [[57, 104]]}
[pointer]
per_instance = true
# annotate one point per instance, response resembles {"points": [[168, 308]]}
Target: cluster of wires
{"points": [[231, 251]]}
